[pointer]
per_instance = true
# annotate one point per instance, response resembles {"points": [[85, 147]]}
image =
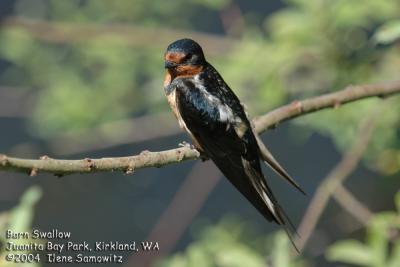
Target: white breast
{"points": [[172, 102], [225, 112]]}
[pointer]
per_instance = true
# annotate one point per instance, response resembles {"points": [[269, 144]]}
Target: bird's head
{"points": [[184, 57]]}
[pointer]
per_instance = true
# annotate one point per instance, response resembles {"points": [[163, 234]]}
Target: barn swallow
{"points": [[213, 116]]}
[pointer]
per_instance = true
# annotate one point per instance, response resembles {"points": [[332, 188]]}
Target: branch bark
{"points": [[333, 100], [146, 159]]}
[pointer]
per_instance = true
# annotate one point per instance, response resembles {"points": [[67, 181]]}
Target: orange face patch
{"points": [[175, 57], [182, 69], [188, 70]]}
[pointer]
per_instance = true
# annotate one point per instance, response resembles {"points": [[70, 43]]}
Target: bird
{"points": [[216, 121]]}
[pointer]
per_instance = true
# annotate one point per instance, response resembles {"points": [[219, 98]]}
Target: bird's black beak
{"points": [[170, 64]]}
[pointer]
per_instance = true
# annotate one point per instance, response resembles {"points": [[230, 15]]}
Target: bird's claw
{"points": [[202, 156], [186, 144]]}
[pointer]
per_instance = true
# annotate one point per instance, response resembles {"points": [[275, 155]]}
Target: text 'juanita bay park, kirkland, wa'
{"points": [[50, 245]]}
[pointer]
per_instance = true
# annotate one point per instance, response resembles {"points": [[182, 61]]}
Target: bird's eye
{"points": [[189, 56]]}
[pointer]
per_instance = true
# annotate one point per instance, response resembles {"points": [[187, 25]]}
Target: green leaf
{"points": [[388, 32], [197, 256], [239, 256], [378, 238], [22, 215], [350, 251], [281, 250]]}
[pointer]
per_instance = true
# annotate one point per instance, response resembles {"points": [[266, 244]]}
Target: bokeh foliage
{"points": [[230, 244], [306, 48], [82, 84], [313, 47], [381, 247], [19, 220]]}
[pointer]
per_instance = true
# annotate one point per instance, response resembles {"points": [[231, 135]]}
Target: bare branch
{"points": [[353, 206], [332, 100], [158, 159], [62, 167], [334, 179]]}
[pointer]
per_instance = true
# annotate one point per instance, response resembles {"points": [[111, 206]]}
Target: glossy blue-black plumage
{"points": [[199, 99], [185, 45], [190, 48], [218, 139]]}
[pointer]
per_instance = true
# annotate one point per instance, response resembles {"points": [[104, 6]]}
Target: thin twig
{"points": [[353, 206], [334, 179], [158, 159]]}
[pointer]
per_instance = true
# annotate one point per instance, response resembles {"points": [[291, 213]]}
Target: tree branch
{"points": [[157, 159], [334, 179], [353, 206], [333, 100]]}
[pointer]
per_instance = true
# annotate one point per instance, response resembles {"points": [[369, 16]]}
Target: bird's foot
{"points": [[202, 156], [186, 144]]}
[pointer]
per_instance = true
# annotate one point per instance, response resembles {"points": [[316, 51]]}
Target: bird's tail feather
{"points": [[270, 203], [288, 226], [269, 159], [249, 180]]}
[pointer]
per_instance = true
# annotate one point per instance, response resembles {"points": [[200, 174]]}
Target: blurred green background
{"points": [[83, 78]]}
